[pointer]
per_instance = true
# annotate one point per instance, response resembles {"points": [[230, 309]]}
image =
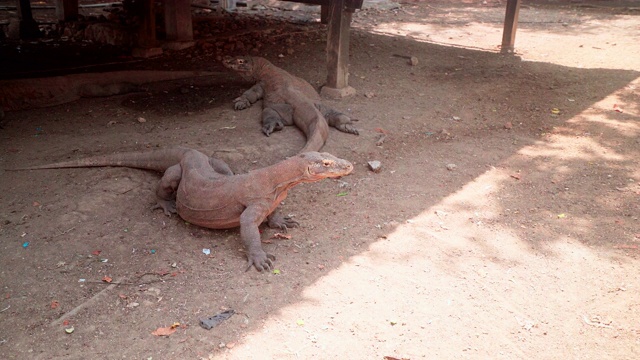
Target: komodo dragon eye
{"points": [[327, 163]]}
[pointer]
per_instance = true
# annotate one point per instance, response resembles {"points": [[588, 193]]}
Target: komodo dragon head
{"points": [[324, 165], [244, 65]]}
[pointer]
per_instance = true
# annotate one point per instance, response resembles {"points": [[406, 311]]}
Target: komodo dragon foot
{"points": [[261, 260], [277, 221], [167, 206]]}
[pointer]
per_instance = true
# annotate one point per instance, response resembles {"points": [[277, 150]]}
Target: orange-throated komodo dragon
{"points": [[205, 192]]}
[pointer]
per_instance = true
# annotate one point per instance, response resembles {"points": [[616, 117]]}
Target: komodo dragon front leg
{"points": [[250, 220], [249, 97]]}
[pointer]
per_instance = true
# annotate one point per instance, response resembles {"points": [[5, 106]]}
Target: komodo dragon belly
{"points": [[221, 217], [209, 202]]}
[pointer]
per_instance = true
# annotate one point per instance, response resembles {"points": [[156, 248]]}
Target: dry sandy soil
{"points": [[528, 248]]}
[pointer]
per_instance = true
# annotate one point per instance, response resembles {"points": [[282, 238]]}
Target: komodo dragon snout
{"points": [[325, 165]]}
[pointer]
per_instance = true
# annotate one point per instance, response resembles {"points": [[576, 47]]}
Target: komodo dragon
{"points": [[20, 94], [287, 100], [205, 192]]}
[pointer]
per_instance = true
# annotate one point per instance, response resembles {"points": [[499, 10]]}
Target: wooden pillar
{"points": [[147, 42], [67, 10], [510, 26], [324, 14], [338, 52], [147, 31], [28, 26], [178, 22]]}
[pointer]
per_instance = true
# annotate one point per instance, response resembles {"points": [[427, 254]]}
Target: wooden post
{"points": [[510, 26], [324, 14], [28, 26], [147, 42], [178, 22], [67, 10], [338, 52]]}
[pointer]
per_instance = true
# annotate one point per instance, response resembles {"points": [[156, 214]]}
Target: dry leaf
{"points": [[281, 236], [96, 253], [55, 304], [107, 279], [164, 331]]}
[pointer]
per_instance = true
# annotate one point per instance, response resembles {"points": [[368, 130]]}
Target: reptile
{"points": [[205, 192], [287, 100], [21, 94]]}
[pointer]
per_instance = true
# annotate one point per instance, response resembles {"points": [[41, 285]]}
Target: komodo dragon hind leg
{"points": [[249, 97], [166, 190], [337, 119], [220, 166], [275, 117]]}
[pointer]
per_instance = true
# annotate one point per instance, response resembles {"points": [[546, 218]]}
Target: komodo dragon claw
{"points": [[167, 206], [282, 222], [262, 261]]}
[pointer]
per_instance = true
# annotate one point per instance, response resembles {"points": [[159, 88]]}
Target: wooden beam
{"points": [[338, 45], [510, 26], [177, 20], [67, 10]]}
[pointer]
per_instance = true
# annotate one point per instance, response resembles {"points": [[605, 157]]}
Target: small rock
{"points": [[508, 125], [369, 94], [133, 304], [413, 61], [142, 120], [375, 166], [451, 167]]}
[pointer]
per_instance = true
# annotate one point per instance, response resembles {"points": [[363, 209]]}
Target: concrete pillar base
{"points": [[178, 45], [146, 52], [337, 94]]}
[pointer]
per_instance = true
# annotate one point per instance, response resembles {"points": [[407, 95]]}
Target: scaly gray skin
{"points": [[287, 100], [204, 191]]}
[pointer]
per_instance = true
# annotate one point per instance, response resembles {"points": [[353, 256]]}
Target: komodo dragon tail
{"points": [[317, 133], [158, 160]]}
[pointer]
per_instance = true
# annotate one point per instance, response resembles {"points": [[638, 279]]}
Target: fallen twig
{"points": [[64, 232], [91, 300], [5, 309], [596, 324]]}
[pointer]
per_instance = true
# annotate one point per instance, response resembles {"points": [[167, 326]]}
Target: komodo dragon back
{"points": [[158, 160]]}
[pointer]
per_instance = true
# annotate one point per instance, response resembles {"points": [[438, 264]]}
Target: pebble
{"points": [[413, 61], [375, 166], [451, 167], [508, 125]]}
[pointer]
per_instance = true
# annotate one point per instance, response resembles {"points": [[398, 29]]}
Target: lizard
{"points": [[287, 100], [21, 94], [204, 191]]}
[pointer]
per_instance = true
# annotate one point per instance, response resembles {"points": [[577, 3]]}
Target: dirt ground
{"points": [[504, 223]]}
